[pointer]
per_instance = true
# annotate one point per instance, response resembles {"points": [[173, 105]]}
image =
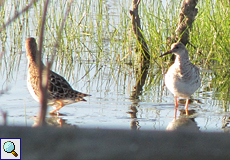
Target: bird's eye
{"points": [[176, 47]]}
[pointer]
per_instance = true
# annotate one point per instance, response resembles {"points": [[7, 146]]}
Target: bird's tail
{"points": [[79, 96]]}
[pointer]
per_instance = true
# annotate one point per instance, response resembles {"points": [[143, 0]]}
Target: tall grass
{"points": [[211, 31]]}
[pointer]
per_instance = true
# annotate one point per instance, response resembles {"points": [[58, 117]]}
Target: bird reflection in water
{"points": [[184, 123], [54, 121]]}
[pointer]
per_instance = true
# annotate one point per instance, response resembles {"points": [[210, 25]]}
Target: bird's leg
{"points": [[176, 105], [175, 112], [57, 108], [186, 106], [59, 121]]}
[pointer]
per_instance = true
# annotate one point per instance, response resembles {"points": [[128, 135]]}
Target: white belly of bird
{"points": [[180, 87]]}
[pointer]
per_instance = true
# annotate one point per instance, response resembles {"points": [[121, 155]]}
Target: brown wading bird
{"points": [[183, 77], [60, 93]]}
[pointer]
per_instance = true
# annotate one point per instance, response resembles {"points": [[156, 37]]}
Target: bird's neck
{"points": [[181, 60], [35, 65]]}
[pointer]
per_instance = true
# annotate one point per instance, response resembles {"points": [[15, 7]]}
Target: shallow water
{"points": [[111, 104]]}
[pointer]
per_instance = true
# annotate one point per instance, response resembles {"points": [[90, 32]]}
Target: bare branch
{"points": [[42, 86], [44, 82]]}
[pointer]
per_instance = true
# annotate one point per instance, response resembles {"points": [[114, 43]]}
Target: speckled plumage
{"points": [[183, 77], [60, 93]]}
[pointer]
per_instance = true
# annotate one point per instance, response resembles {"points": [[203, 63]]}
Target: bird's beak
{"points": [[169, 52]]}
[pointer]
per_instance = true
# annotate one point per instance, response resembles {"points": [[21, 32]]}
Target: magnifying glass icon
{"points": [[9, 147]]}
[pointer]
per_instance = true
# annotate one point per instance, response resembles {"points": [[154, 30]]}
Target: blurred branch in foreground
{"points": [[44, 82]]}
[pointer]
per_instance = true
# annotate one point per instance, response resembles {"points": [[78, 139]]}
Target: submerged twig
{"points": [[4, 115]]}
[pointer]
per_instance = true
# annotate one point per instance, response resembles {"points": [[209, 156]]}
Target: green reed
{"points": [[211, 31], [91, 31]]}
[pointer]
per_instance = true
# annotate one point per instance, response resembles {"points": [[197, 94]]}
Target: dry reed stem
{"points": [[17, 15]]}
